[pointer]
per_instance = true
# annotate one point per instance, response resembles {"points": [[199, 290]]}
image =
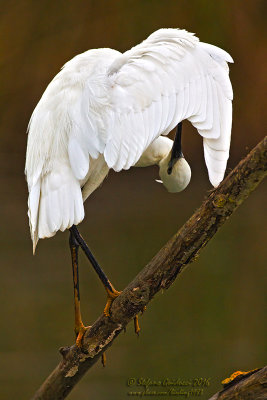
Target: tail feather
{"points": [[55, 203]]}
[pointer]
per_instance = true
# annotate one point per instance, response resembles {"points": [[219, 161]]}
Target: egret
{"points": [[110, 110]]}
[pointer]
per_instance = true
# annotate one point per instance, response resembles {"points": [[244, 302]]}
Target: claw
{"points": [[136, 321], [136, 325], [104, 359], [80, 331], [111, 297]]}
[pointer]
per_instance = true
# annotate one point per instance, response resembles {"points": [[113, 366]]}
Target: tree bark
{"points": [[161, 271], [251, 387]]}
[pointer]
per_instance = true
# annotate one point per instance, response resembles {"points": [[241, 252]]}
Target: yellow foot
{"points": [[103, 359], [80, 331], [111, 296], [136, 325], [136, 322]]}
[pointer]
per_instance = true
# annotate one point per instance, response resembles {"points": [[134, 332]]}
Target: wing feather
{"points": [[167, 78]]}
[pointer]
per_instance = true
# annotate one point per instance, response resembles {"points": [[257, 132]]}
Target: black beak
{"points": [[176, 148]]}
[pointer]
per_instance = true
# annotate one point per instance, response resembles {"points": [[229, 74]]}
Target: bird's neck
{"points": [[156, 152]]}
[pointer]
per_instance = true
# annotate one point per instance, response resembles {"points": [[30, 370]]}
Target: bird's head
{"points": [[177, 177]]}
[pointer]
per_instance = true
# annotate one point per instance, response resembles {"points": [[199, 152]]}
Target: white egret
{"points": [[110, 110]]}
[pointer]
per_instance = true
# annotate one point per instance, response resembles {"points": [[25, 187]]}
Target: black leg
{"points": [[112, 293], [77, 241], [176, 148], [74, 231], [79, 326]]}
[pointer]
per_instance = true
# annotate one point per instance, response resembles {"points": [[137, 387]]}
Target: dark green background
{"points": [[211, 321]]}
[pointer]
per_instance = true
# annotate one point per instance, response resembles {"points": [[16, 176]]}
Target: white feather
{"points": [[105, 109]]}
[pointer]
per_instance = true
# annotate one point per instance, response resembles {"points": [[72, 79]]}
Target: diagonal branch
{"points": [[161, 271]]}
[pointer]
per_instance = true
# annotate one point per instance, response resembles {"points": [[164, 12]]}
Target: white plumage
{"points": [[105, 110]]}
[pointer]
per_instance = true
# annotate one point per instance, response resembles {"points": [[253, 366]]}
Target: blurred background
{"points": [[211, 321]]}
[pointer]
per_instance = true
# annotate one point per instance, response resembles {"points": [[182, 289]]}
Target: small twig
{"points": [[159, 274]]}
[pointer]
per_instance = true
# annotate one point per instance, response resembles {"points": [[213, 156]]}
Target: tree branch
{"points": [[251, 387], [161, 271]]}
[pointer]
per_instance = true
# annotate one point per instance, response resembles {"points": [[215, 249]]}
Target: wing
{"points": [[60, 138], [169, 77]]}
